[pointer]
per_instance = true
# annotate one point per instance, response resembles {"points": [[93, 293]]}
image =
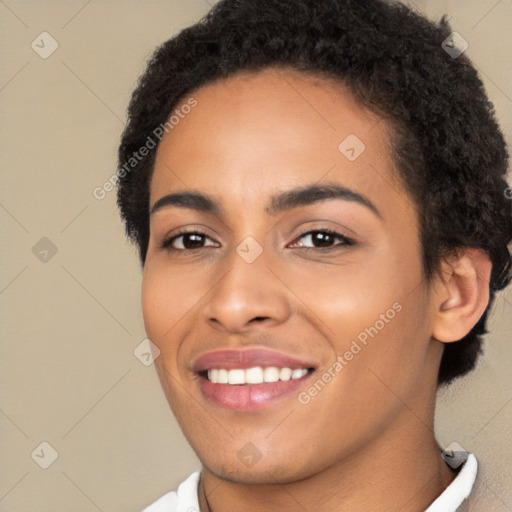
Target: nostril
{"points": [[259, 318]]}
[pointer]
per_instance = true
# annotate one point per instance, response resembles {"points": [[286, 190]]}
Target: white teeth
{"points": [[236, 376], [271, 374], [255, 375], [285, 374], [297, 374], [223, 377]]}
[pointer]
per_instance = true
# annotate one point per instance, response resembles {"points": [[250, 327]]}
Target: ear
{"points": [[461, 294]]}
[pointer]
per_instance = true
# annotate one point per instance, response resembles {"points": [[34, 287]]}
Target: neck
{"points": [[402, 469]]}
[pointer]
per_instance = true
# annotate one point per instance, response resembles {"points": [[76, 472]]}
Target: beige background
{"points": [[69, 325]]}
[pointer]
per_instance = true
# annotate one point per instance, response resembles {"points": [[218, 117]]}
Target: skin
{"points": [[366, 441]]}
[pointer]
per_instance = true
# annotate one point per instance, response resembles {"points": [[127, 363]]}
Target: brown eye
{"points": [[325, 238], [187, 240]]}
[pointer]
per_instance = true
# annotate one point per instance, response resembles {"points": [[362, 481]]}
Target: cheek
{"points": [[349, 296], [378, 306], [163, 304], [152, 298]]}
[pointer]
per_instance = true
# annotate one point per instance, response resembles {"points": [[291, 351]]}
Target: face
{"points": [[283, 283]]}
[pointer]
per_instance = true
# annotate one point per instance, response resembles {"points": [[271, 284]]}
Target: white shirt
{"points": [[185, 498]]}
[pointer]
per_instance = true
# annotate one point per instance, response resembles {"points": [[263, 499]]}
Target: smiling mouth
{"points": [[250, 379], [254, 375], [251, 389]]}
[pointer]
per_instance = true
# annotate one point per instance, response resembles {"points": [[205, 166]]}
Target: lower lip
{"points": [[249, 397]]}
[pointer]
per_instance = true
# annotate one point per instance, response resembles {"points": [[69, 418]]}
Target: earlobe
{"points": [[462, 295]]}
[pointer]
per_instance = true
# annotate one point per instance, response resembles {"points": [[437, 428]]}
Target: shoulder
{"points": [[182, 499]]}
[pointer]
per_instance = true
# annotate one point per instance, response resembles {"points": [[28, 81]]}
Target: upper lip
{"points": [[247, 358]]}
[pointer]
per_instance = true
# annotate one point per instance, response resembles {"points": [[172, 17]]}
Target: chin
{"points": [[260, 473]]}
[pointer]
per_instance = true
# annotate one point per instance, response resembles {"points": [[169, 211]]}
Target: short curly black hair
{"points": [[448, 148]]}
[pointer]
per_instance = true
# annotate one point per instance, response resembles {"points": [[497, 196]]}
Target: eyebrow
{"points": [[284, 201]]}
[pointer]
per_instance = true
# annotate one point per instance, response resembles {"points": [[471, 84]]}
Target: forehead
{"points": [[255, 132], [268, 103]]}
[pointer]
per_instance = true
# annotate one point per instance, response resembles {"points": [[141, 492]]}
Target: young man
{"points": [[317, 191]]}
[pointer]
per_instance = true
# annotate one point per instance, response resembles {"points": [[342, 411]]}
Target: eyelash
{"points": [[167, 243]]}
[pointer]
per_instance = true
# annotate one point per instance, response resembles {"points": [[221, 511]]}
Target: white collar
{"points": [[455, 495], [185, 499]]}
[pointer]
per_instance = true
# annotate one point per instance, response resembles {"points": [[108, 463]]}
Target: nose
{"points": [[246, 295]]}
